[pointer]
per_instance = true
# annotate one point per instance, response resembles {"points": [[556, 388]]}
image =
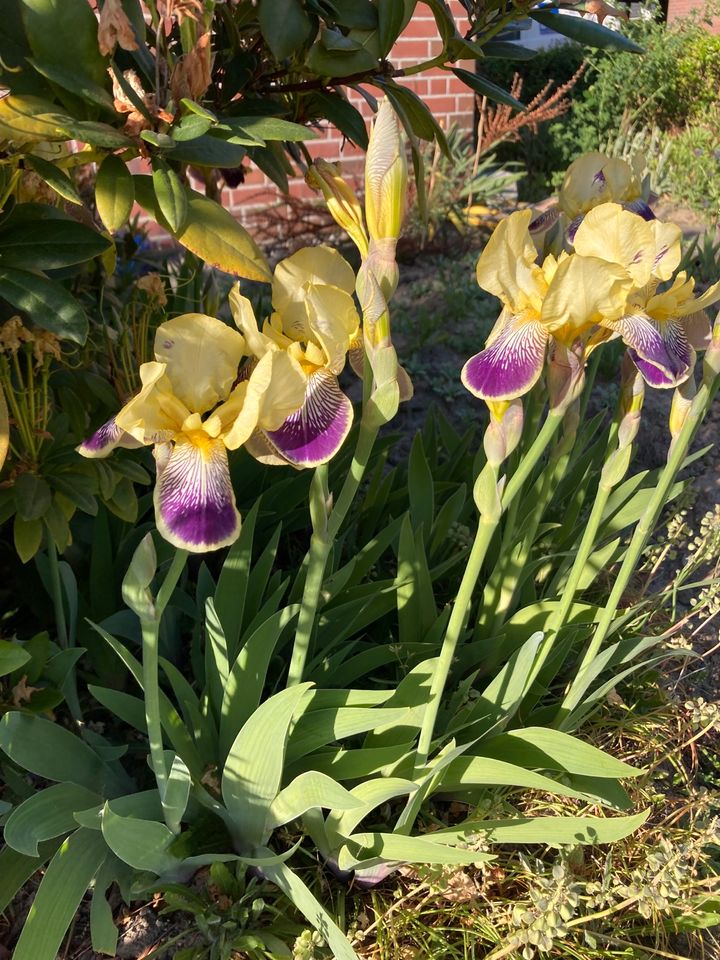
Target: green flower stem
{"points": [[461, 608], [324, 534], [639, 539], [532, 457], [457, 623], [151, 686]]}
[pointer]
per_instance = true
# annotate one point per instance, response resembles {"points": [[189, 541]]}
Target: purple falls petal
{"points": [[105, 439], [660, 350], [315, 432], [194, 499], [511, 365], [544, 221]]}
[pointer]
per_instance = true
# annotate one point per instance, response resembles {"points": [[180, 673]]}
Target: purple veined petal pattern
{"points": [[105, 439], [314, 434], [511, 365], [544, 221], [641, 208], [660, 350], [194, 500]]}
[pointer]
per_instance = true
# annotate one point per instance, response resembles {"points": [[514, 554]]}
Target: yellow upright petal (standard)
{"points": [[507, 265], [595, 178], [333, 323], [155, 414], [584, 291], [202, 356], [667, 248], [257, 343], [610, 233], [295, 275]]}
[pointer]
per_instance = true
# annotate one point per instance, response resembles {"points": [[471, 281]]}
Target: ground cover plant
{"points": [[249, 719]]}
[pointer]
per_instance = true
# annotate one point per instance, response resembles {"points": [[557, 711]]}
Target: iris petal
{"points": [[315, 432], [105, 439], [512, 363], [660, 350], [194, 499]]}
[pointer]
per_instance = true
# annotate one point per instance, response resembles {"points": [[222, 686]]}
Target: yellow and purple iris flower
{"points": [[564, 299], [193, 407], [314, 322], [661, 328], [591, 180]]}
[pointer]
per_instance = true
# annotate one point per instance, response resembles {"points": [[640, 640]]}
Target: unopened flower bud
{"points": [[342, 203], [680, 408], [711, 364], [386, 176], [632, 394], [504, 430], [565, 375]]}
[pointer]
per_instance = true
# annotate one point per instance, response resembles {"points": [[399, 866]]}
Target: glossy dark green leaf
{"points": [[391, 17], [114, 192], [210, 150], [63, 34], [47, 302], [74, 81], [32, 496], [337, 62], [190, 127], [503, 50], [585, 31], [56, 178], [285, 25], [342, 114], [12, 656], [49, 245], [171, 195], [360, 14], [487, 89], [414, 114], [269, 128], [27, 537], [98, 134]]}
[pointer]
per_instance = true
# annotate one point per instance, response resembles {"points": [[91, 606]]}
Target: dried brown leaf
{"points": [[114, 27]]}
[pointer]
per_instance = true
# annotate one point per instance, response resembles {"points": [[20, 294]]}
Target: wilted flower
{"points": [[314, 323], [195, 374]]}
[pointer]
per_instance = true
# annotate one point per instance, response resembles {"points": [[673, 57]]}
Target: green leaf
{"points": [[12, 656], [328, 58], [99, 134], [177, 793], [63, 34], [136, 583], [212, 233], [269, 128], [114, 192], [415, 601], [486, 88], [360, 14], [342, 114], [129, 709], [56, 178], [550, 749], [216, 657], [25, 118], [47, 302], [210, 150], [285, 26], [190, 127], [170, 195], [233, 581], [391, 17], [420, 487], [502, 50], [47, 244], [371, 794], [546, 830], [413, 112], [103, 932], [143, 844], [16, 869], [50, 751], [253, 773], [46, 814], [309, 791], [61, 890], [364, 850], [302, 898], [321, 727], [74, 82], [246, 680], [32, 496], [27, 537], [584, 31]]}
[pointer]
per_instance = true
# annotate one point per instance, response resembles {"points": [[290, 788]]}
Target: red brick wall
{"points": [[449, 100], [681, 8]]}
